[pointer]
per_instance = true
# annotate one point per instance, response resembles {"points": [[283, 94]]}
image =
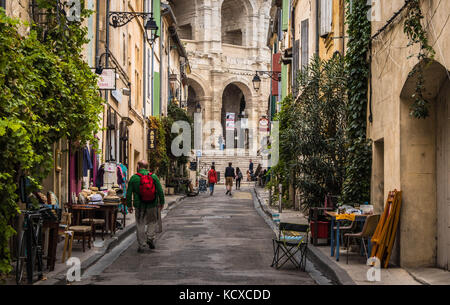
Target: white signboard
{"points": [[107, 80], [230, 121], [264, 124], [244, 123]]}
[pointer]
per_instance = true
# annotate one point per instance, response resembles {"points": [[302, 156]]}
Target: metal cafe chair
{"points": [[291, 239], [369, 228]]}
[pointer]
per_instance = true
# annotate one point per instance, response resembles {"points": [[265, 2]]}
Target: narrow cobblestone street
{"points": [[206, 240]]}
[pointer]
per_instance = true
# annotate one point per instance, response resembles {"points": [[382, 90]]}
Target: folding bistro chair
{"points": [[291, 239]]}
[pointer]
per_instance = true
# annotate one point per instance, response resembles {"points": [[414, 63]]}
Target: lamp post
{"points": [[119, 19], [257, 80]]}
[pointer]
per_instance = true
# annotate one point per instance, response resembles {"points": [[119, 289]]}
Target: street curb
{"points": [[325, 265], [60, 278], [418, 278]]}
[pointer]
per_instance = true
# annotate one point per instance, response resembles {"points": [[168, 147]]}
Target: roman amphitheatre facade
{"points": [[226, 45]]}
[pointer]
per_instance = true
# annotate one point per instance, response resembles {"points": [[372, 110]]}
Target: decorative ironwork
{"points": [[119, 19], [276, 76]]}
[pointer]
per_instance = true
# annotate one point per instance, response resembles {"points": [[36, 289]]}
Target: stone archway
{"points": [[196, 94], [236, 100], [425, 174]]}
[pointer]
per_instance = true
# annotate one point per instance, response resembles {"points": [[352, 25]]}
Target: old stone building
{"points": [[226, 44], [410, 154]]}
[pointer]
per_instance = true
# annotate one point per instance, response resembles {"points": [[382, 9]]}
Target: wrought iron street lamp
{"points": [[119, 19], [257, 80], [198, 108]]}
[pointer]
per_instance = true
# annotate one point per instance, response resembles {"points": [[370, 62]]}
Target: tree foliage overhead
{"points": [[47, 93], [312, 132]]}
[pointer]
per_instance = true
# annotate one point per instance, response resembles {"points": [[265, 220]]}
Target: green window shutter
{"points": [[157, 15], [156, 94], [285, 9], [284, 81], [273, 107]]}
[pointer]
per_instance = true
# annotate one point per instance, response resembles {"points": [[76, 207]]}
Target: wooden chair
{"points": [[369, 228], [82, 231], [66, 219], [95, 222]]}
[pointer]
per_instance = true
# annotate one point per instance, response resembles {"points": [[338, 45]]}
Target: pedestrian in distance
{"points": [[212, 179], [238, 178], [250, 167], [229, 176], [146, 196]]}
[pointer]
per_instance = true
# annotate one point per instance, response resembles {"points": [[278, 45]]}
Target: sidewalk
{"points": [[355, 272], [98, 248]]}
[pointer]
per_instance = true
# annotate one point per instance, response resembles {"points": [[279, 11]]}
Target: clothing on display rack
{"points": [[100, 176], [87, 163]]}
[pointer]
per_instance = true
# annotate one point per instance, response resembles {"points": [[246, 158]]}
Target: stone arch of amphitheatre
{"points": [[226, 43]]}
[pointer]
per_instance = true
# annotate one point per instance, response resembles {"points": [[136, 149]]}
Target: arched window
{"points": [[234, 19]]}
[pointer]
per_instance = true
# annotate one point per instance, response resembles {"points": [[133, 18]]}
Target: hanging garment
{"points": [[87, 163], [100, 174], [120, 179], [125, 177]]}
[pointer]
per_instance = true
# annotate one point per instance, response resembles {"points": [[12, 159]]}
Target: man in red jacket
{"points": [[212, 179]]}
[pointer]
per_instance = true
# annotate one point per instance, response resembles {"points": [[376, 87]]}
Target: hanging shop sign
{"points": [[230, 121], [117, 95], [264, 124], [244, 123], [151, 139], [107, 80]]}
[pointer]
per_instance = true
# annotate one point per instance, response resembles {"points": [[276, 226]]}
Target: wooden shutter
{"points": [[276, 67], [305, 43], [326, 13], [296, 60]]}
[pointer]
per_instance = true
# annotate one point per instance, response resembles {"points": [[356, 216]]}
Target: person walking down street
{"points": [[250, 168], [229, 176], [212, 179], [146, 196], [238, 178]]}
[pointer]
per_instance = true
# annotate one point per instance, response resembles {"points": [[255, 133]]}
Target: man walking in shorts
{"points": [[229, 176]]}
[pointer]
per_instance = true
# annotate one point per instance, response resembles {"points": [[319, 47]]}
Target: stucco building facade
{"points": [[409, 154]]}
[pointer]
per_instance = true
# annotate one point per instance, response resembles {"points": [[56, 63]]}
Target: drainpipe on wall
{"points": [[317, 26], [144, 87]]}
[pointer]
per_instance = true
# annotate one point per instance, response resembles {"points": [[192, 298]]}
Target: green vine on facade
{"points": [[47, 93], [356, 188], [417, 35]]}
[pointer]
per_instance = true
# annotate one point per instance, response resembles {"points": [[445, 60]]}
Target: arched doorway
{"points": [[191, 101], [195, 94], [425, 146], [233, 117]]}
